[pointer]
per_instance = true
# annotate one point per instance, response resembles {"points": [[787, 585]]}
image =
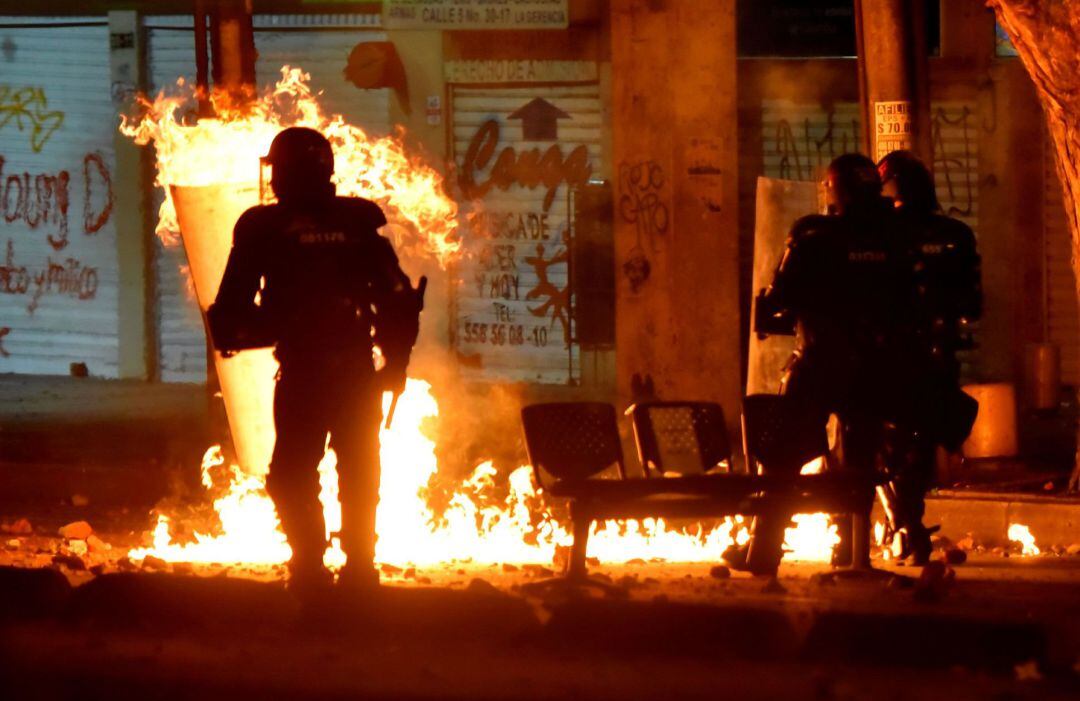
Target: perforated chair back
{"points": [[779, 435], [572, 441], [686, 438]]}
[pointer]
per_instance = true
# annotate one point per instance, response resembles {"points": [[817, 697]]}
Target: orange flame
{"points": [[469, 530], [227, 149]]}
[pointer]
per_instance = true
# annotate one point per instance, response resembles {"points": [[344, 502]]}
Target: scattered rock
{"points": [[1028, 672], [125, 564], [79, 370], [78, 547], [423, 580], [410, 573], [390, 569], [635, 561], [1073, 549], [79, 500], [69, 560], [719, 572], [183, 568], [507, 567], [773, 586], [14, 544], [79, 530], [934, 582], [823, 579], [955, 556], [152, 562], [939, 542], [97, 545], [535, 570], [483, 587], [19, 527], [967, 543]]}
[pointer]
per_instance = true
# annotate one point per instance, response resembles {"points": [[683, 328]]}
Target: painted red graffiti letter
{"points": [[95, 214]]}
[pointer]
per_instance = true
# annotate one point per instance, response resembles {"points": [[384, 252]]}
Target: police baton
{"points": [[421, 288]]}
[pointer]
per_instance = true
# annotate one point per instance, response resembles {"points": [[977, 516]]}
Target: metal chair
{"points": [[572, 442], [681, 438]]}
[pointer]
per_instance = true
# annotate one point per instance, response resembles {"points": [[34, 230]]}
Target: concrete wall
{"points": [[676, 187]]}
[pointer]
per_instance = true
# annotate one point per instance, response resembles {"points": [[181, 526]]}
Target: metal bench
{"points": [[576, 453]]}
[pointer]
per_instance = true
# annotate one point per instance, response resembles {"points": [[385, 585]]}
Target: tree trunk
{"points": [[1046, 34]]}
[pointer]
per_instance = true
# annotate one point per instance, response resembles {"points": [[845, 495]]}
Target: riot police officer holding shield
{"points": [[311, 274], [844, 288], [949, 298]]}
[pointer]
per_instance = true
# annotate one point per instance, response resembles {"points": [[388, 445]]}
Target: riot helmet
{"points": [[851, 182], [302, 162], [908, 181]]}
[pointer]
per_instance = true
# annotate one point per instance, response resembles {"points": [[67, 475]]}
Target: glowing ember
{"points": [[227, 150], [1019, 533]]}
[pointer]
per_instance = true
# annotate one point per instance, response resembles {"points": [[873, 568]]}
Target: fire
{"points": [[469, 530], [1019, 533], [227, 149], [224, 153]]}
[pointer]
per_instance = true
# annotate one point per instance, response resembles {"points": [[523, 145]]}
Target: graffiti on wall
{"points": [[528, 169], [514, 308], [800, 139], [27, 109], [802, 146], [642, 204], [955, 169]]}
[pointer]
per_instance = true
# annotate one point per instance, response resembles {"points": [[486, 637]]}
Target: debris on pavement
{"points": [[78, 530]]}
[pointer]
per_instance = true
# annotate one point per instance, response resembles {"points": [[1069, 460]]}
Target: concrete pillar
{"points": [[676, 190], [131, 185], [232, 45], [893, 81]]}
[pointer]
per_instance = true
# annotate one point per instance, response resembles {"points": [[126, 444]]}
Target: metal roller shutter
{"points": [[799, 140], [320, 44], [1062, 322], [512, 301], [58, 274]]}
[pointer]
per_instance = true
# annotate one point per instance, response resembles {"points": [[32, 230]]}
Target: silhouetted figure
{"points": [[844, 288], [949, 294], [324, 279]]}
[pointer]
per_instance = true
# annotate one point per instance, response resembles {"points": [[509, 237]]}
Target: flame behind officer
{"points": [[324, 279], [947, 277], [844, 289]]}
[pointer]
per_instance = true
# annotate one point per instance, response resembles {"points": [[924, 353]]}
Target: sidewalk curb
{"points": [[986, 517]]}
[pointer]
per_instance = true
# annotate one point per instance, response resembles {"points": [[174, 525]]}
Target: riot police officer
{"points": [[949, 299], [844, 289], [311, 273]]}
